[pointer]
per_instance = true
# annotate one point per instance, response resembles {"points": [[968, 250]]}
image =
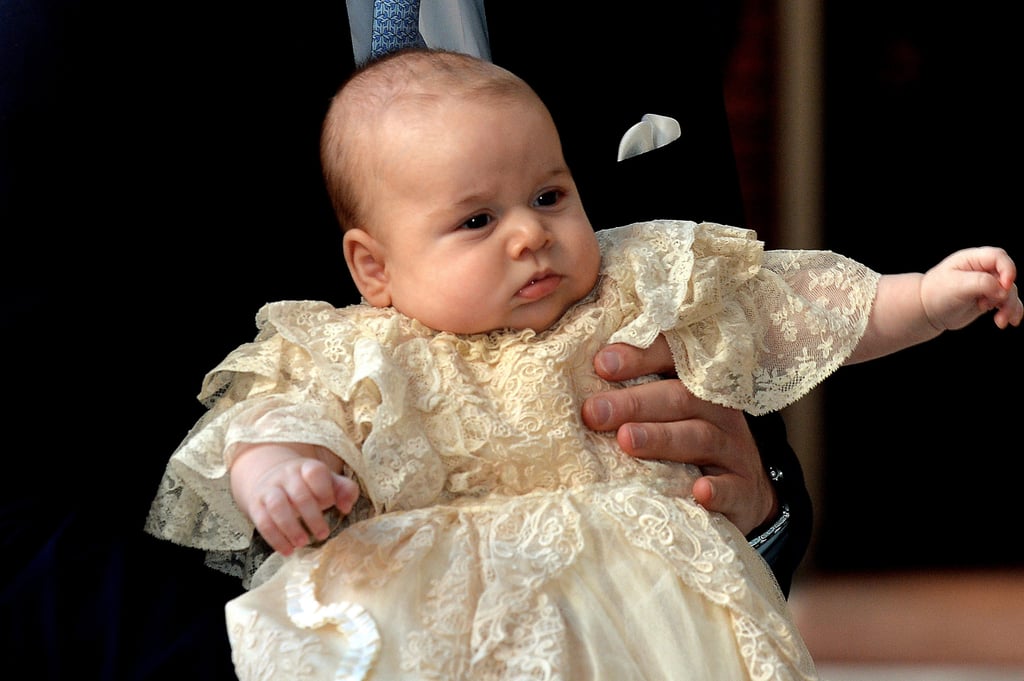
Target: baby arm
{"points": [[913, 308], [284, 489]]}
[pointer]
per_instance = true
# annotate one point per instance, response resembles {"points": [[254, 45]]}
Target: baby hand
{"points": [[285, 495], [969, 283]]}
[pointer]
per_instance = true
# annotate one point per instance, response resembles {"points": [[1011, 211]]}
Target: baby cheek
{"points": [[589, 266], [458, 300]]}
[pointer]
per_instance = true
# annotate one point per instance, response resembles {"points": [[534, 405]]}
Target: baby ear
{"points": [[366, 261]]}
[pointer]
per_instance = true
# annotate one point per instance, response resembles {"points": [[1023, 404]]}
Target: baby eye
{"points": [[548, 198], [477, 221]]}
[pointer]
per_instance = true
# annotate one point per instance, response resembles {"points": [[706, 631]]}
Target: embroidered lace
{"points": [[491, 519]]}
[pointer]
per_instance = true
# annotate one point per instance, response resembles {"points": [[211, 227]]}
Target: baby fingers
{"points": [[1010, 312], [278, 521]]}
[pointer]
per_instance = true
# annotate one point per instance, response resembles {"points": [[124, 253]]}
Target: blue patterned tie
{"points": [[396, 24]]}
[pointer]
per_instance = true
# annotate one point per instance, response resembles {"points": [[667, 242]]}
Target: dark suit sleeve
{"points": [[790, 544]]}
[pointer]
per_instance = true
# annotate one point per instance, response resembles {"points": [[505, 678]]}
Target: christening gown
{"points": [[497, 537]]}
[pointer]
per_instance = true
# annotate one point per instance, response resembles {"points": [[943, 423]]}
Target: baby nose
{"points": [[528, 234]]}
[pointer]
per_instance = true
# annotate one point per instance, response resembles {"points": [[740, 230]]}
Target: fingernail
{"points": [[638, 436], [602, 410], [610, 361]]}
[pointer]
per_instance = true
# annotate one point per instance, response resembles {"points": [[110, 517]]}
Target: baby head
{"points": [[458, 209]]}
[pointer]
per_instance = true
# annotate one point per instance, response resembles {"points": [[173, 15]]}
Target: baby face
{"points": [[478, 217]]}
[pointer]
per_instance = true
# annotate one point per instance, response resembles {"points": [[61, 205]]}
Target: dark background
{"points": [[159, 181], [923, 450]]}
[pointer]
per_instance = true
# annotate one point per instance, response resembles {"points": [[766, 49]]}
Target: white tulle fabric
{"points": [[497, 536]]}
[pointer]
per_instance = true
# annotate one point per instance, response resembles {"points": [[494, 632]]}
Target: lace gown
{"points": [[497, 537]]}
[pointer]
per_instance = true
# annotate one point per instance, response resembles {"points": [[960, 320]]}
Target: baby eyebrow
{"points": [[474, 199]]}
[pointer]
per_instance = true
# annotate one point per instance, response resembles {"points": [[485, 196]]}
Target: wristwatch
{"points": [[765, 539]]}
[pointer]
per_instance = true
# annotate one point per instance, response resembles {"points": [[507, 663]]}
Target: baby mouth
{"points": [[539, 287]]}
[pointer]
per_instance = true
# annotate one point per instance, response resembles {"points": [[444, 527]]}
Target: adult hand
{"points": [[663, 420]]}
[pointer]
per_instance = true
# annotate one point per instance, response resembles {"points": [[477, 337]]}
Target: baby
{"points": [[486, 532]]}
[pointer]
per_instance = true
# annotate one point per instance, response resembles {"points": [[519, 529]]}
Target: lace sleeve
{"points": [[749, 329], [307, 378], [262, 392], [785, 331]]}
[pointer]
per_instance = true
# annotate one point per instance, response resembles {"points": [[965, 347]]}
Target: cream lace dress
{"points": [[497, 537]]}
